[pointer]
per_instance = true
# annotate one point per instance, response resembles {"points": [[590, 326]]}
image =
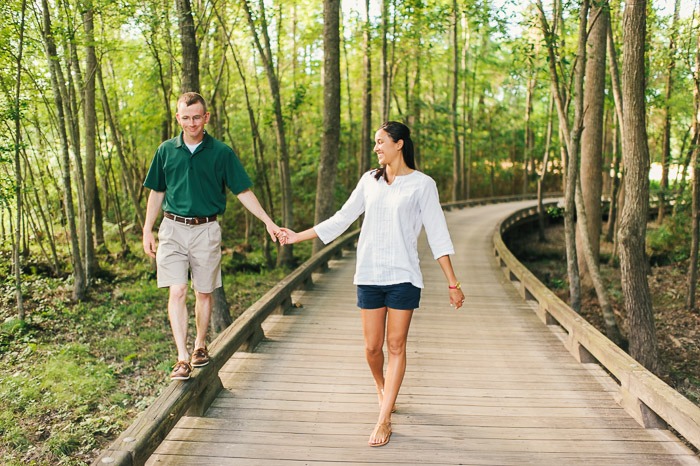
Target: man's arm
{"points": [[155, 200], [250, 202]]}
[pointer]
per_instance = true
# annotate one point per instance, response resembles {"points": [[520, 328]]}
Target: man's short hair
{"points": [[191, 98]]}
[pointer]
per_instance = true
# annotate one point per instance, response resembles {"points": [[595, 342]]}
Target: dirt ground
{"points": [[678, 330]]}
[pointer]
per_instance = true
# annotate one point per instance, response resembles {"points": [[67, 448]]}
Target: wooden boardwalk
{"points": [[488, 384]]}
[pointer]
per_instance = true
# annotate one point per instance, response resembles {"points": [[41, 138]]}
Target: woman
{"points": [[397, 201]]}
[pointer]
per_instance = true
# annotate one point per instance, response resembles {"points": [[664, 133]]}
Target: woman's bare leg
{"points": [[397, 325], [373, 323]]}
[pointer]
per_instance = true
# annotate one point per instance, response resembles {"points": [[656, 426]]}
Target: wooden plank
{"points": [[439, 453], [431, 430]]}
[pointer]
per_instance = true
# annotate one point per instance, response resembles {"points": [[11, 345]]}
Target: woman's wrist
{"points": [[454, 285]]}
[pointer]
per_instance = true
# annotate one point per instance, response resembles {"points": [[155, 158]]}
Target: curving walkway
{"points": [[486, 385]]}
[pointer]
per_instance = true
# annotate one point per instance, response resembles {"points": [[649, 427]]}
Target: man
{"points": [[188, 178]]}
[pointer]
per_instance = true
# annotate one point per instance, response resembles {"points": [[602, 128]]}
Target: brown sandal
{"points": [[385, 428]]}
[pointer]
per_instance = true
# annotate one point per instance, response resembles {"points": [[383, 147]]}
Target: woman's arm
{"points": [[456, 295]]}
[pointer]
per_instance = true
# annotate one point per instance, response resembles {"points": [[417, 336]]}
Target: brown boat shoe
{"points": [[181, 371], [200, 357]]}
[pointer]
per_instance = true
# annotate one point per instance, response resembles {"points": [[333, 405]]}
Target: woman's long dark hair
{"points": [[398, 131]]}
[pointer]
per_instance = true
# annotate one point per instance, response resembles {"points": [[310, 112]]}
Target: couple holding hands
{"points": [[188, 179]]}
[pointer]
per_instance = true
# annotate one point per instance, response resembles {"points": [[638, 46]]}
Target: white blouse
{"points": [[387, 251]]}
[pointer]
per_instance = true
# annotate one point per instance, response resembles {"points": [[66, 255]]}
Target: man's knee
{"points": [[178, 292]]}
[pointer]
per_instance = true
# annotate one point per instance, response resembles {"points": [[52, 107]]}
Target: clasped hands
{"points": [[287, 236]]}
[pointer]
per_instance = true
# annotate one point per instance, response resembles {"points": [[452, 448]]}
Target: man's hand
{"points": [[274, 231], [149, 243]]}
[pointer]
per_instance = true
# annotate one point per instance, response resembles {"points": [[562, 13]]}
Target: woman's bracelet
{"points": [[458, 286]]}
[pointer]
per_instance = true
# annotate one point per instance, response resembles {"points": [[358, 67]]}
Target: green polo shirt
{"points": [[195, 184]]}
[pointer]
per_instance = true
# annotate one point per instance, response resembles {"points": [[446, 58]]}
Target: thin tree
{"points": [[330, 137], [592, 134], [56, 77], [190, 51], [90, 122], [571, 134], [545, 161], [384, 71], [633, 221], [456, 153], [619, 112], [18, 170], [695, 206], [529, 135], [285, 256], [666, 141], [366, 136]]}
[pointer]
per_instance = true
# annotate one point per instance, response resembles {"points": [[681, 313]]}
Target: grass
{"points": [[72, 376]]}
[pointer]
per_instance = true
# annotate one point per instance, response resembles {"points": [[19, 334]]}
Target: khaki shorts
{"points": [[197, 247]]}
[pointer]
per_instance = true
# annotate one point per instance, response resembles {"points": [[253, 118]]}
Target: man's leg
{"points": [[177, 311], [202, 311]]}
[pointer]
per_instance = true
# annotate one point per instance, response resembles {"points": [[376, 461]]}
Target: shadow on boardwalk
{"points": [[486, 385]]}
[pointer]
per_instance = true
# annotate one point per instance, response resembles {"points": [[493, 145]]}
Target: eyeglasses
{"points": [[196, 118]]}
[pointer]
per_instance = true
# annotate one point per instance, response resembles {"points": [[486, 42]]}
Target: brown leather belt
{"points": [[190, 220]]}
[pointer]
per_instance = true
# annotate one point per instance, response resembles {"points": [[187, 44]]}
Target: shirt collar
{"points": [[206, 141]]}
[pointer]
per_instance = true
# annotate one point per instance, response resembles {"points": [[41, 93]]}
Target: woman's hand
{"points": [[456, 298]]}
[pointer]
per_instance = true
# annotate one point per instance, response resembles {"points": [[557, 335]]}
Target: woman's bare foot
{"points": [[380, 435]]}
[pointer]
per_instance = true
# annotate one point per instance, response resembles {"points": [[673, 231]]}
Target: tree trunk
{"points": [[540, 180], [592, 136], [330, 137], [384, 72], [465, 106], [258, 147], [56, 77], [71, 109], [285, 256], [221, 319], [90, 114], [366, 137], [190, 52], [18, 171], [612, 212], [456, 166], [695, 206], [633, 221], [529, 136], [571, 135], [666, 141]]}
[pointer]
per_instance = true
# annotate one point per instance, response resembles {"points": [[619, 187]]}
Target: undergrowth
{"points": [[74, 375]]}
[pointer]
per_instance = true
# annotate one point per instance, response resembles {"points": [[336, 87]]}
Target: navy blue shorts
{"points": [[400, 296]]}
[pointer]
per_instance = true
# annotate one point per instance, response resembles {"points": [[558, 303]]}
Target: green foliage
{"points": [[670, 242]]}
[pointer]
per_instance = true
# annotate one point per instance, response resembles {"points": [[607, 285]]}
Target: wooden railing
{"points": [[642, 394], [193, 397]]}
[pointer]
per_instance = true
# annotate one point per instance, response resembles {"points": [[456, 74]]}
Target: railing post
{"points": [[255, 337], [639, 411], [201, 403]]}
